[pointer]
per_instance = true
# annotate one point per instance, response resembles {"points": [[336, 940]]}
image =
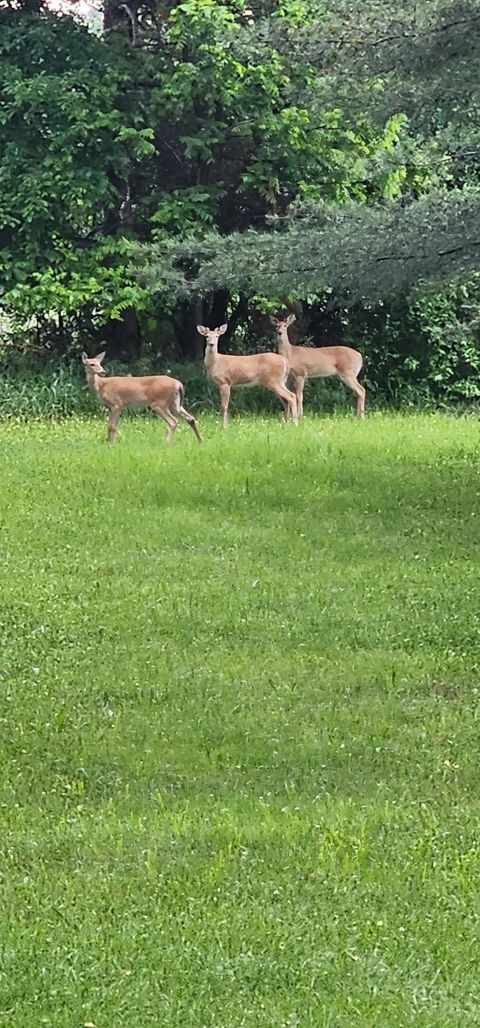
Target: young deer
{"points": [[319, 362], [267, 369], [163, 394]]}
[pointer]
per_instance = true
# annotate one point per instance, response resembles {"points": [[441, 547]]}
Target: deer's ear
{"points": [[101, 356], [273, 321], [202, 330], [222, 330], [84, 357], [289, 321]]}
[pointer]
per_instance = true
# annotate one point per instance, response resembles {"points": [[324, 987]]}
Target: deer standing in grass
{"points": [[164, 395], [226, 370], [319, 362]]}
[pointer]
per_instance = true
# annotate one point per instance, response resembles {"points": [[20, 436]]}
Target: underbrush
{"points": [[58, 390]]}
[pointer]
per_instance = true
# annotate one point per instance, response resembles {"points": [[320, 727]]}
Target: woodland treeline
{"points": [[163, 164]]}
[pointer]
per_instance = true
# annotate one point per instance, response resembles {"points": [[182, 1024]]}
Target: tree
{"points": [[245, 149], [68, 149], [407, 205]]}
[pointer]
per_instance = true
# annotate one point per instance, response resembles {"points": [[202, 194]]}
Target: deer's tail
{"points": [[179, 397]]}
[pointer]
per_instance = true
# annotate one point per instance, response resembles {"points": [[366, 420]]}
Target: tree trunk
{"points": [[123, 337], [218, 308], [189, 345], [238, 315], [121, 17]]}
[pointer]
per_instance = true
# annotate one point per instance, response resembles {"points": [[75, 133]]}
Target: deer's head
{"points": [[281, 325], [93, 365], [212, 335]]}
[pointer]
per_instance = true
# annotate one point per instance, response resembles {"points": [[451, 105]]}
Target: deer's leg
{"points": [[359, 391], [172, 425], [286, 409], [113, 422], [224, 402], [185, 416], [285, 394], [299, 387], [167, 416], [361, 401]]}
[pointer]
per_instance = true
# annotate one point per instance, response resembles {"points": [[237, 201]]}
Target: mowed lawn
{"points": [[240, 719]]}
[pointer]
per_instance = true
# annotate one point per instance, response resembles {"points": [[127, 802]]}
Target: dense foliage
{"points": [[206, 160]]}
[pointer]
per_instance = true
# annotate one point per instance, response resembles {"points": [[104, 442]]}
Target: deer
{"points": [[226, 370], [164, 395], [319, 362]]}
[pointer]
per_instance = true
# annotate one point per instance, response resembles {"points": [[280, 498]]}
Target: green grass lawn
{"points": [[240, 714]]}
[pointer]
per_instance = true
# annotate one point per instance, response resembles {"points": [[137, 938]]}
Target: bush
{"points": [[424, 350], [57, 390], [52, 391]]}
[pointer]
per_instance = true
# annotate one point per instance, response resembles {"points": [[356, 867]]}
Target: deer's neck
{"points": [[210, 359], [95, 383], [284, 345]]}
